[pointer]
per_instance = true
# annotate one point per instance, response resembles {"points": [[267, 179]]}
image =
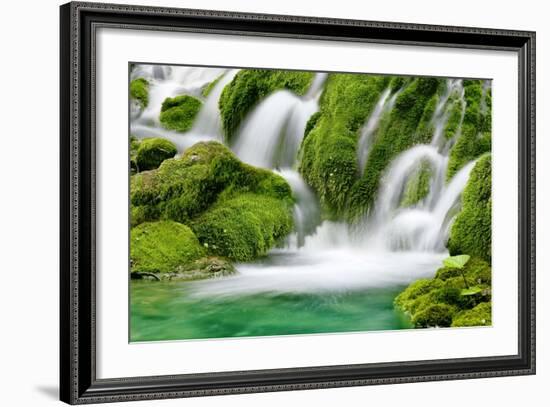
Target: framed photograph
{"points": [[255, 203]]}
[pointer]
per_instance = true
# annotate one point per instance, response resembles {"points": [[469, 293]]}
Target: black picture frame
{"points": [[78, 382]]}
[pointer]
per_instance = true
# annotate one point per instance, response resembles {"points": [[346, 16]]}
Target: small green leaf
{"points": [[456, 262], [470, 291]]}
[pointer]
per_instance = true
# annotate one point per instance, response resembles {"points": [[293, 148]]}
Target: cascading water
{"points": [[173, 81], [396, 244]]}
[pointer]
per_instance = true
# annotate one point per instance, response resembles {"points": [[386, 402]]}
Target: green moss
{"points": [[471, 230], [455, 118], [151, 152], [250, 86], [209, 189], [477, 316], [178, 113], [475, 134], [409, 123], [329, 157], [431, 302], [139, 90], [243, 227], [134, 144], [418, 185], [162, 247], [208, 88]]}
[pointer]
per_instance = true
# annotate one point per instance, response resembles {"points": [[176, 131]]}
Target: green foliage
{"points": [[441, 300], [457, 262], [409, 123], [139, 90], [208, 88], [134, 144], [243, 227], [151, 152], [250, 86], [471, 230], [161, 247], [236, 210], [178, 113], [418, 185], [436, 315], [329, 162], [455, 118], [475, 134], [478, 316]]}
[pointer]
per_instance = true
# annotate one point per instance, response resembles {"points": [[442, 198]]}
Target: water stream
{"points": [[329, 277]]}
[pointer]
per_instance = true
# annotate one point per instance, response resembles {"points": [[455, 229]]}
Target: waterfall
{"points": [[271, 135], [165, 82], [393, 245], [383, 106]]}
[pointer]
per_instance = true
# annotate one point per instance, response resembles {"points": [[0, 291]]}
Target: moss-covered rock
{"points": [[478, 316], [471, 231], [328, 153], [250, 86], [139, 91], [435, 315], [418, 185], [151, 152], [475, 134], [162, 247], [243, 227], [205, 267], [446, 297], [134, 144], [454, 120], [236, 210], [409, 123], [179, 113]]}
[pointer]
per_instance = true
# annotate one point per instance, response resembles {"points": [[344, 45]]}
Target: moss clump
{"points": [[134, 144], [151, 152], [418, 185], [471, 231], [178, 113], [436, 315], [209, 86], [162, 247], [243, 227], [409, 123], [329, 156], [236, 210], [478, 316], [475, 134], [445, 299], [139, 90], [250, 86], [455, 118], [184, 187]]}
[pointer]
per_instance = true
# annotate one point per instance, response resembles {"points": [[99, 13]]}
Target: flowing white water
{"points": [[395, 245], [271, 136], [384, 106], [165, 82]]}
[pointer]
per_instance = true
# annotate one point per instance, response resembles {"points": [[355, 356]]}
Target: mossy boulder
{"points": [[179, 113], [471, 230], [418, 185], [243, 227], [162, 247], [475, 134], [134, 144], [409, 123], [478, 316], [439, 301], [139, 91], [328, 152], [236, 210], [151, 152], [250, 86]]}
